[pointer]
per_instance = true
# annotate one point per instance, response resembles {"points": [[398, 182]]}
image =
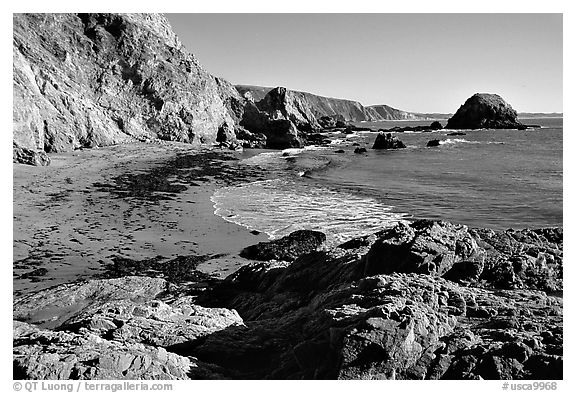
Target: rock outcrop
{"points": [[387, 141], [425, 300], [287, 248], [86, 80], [404, 303], [485, 111]]}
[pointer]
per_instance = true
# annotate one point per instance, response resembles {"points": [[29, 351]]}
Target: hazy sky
{"points": [[414, 62]]}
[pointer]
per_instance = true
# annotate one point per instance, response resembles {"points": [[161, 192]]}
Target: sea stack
{"points": [[484, 110]]}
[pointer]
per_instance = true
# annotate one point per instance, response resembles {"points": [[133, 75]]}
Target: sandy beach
{"points": [[73, 218]]}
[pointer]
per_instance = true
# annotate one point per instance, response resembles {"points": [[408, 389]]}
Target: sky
{"points": [[414, 62]]}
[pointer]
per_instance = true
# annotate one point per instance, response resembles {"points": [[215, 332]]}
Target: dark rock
{"points": [[279, 133], [436, 125], [251, 140], [339, 151], [387, 141], [287, 248], [35, 273], [456, 133], [485, 111], [433, 142], [317, 139], [360, 150], [327, 122]]}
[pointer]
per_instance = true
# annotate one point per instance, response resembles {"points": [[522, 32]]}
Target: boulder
{"points": [[436, 125], [485, 111], [360, 150], [433, 143], [387, 141], [287, 248]]}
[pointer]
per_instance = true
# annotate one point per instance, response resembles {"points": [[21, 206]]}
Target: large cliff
{"points": [[319, 106], [85, 80]]}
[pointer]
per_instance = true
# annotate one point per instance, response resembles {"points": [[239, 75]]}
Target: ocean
{"points": [[495, 179]]}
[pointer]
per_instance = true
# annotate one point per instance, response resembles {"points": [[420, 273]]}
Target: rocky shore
{"points": [[428, 300]]}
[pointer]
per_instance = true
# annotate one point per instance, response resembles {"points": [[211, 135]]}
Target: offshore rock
{"points": [[387, 141], [485, 111], [86, 80], [287, 248]]}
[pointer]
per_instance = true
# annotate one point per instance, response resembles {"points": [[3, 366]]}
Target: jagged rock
{"points": [[280, 133], [44, 354], [327, 122], [375, 307], [427, 247], [251, 140], [284, 104], [85, 80], [154, 322], [23, 155], [46, 306], [387, 141], [287, 248], [433, 143], [485, 111], [522, 258]]}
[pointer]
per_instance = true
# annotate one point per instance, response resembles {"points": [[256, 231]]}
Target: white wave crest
{"points": [[279, 207]]}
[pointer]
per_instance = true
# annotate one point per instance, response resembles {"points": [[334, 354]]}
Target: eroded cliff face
{"points": [[306, 106], [86, 80]]}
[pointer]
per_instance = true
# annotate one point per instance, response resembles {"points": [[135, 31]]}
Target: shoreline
{"points": [[74, 217]]}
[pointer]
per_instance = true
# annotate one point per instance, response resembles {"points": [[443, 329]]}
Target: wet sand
{"points": [[137, 201]]}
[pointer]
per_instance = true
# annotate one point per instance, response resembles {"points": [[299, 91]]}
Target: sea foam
{"points": [[278, 207]]}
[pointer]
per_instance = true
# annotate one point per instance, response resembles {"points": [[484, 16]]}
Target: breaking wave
{"points": [[278, 207]]}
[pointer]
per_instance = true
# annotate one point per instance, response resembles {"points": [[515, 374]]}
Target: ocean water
{"points": [[496, 179]]}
